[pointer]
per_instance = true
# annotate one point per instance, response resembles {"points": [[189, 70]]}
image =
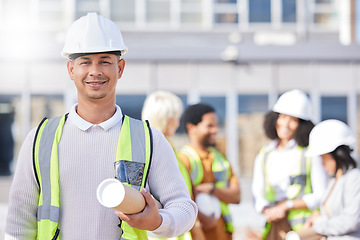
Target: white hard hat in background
{"points": [[326, 136], [294, 103], [208, 205], [93, 34]]}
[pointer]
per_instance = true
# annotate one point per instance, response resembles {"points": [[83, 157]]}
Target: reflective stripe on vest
{"points": [[300, 185], [132, 163], [46, 165], [222, 172], [133, 133], [184, 173]]}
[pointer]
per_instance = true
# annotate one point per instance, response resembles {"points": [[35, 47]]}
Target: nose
{"points": [[95, 70], [214, 129], [286, 121]]}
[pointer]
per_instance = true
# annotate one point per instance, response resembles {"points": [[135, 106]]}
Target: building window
{"points": [[131, 105], [191, 12], [252, 103], [334, 108], [85, 6], [122, 11], [324, 14], [158, 11], [260, 11], [289, 11], [226, 18], [225, 12]]}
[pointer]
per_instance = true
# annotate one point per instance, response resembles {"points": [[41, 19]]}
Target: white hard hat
{"points": [[294, 103], [208, 205], [93, 34], [326, 136]]}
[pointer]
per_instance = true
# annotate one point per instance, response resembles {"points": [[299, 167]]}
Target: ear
{"points": [[70, 68], [121, 66], [190, 127]]}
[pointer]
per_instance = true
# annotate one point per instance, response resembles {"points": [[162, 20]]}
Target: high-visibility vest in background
{"points": [[300, 184], [186, 176], [129, 156], [222, 173]]}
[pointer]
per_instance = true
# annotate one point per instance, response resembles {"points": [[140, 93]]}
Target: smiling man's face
{"points": [[96, 75]]}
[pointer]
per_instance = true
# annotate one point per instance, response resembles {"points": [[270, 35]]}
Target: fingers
{"points": [[148, 219], [122, 216], [148, 198], [274, 214]]}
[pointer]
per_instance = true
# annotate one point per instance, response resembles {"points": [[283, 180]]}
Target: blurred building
{"points": [[237, 55]]}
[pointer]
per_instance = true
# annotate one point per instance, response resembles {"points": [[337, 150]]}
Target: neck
{"points": [[338, 173], [282, 144], [197, 145], [95, 112]]}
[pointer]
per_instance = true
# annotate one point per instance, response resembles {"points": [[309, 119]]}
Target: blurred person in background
{"points": [[163, 110], [62, 162], [214, 183], [287, 186], [339, 215]]}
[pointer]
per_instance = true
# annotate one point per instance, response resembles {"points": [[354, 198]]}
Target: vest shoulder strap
{"points": [[137, 133], [51, 127]]}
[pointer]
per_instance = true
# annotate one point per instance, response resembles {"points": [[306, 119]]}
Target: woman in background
{"points": [[339, 215], [163, 110], [287, 186]]}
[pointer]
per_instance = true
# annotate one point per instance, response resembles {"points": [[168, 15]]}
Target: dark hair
{"points": [[302, 132], [73, 56], [343, 159], [194, 113]]}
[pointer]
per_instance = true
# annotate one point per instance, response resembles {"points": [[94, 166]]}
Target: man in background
{"points": [[211, 173]]}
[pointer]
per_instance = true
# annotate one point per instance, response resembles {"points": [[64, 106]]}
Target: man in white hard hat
{"points": [[211, 174], [62, 162]]}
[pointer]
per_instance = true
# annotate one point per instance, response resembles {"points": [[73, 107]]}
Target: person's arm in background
{"points": [[319, 181], [230, 194], [21, 220], [258, 186], [167, 185]]}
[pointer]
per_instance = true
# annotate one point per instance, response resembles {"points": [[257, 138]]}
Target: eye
{"points": [[105, 62], [85, 63]]}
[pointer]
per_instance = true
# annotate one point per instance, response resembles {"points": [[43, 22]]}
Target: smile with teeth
{"points": [[96, 83]]}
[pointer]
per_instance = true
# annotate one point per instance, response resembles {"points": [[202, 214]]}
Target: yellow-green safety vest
{"points": [[46, 165], [222, 172], [300, 184]]}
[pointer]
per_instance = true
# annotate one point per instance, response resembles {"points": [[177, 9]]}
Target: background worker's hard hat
{"points": [[208, 205], [93, 34], [326, 136], [294, 103]]}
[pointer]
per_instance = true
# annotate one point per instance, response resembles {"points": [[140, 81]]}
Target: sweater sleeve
{"points": [[168, 186], [349, 218], [21, 220]]}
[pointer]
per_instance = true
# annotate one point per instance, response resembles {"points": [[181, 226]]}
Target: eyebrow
{"points": [[87, 58]]}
